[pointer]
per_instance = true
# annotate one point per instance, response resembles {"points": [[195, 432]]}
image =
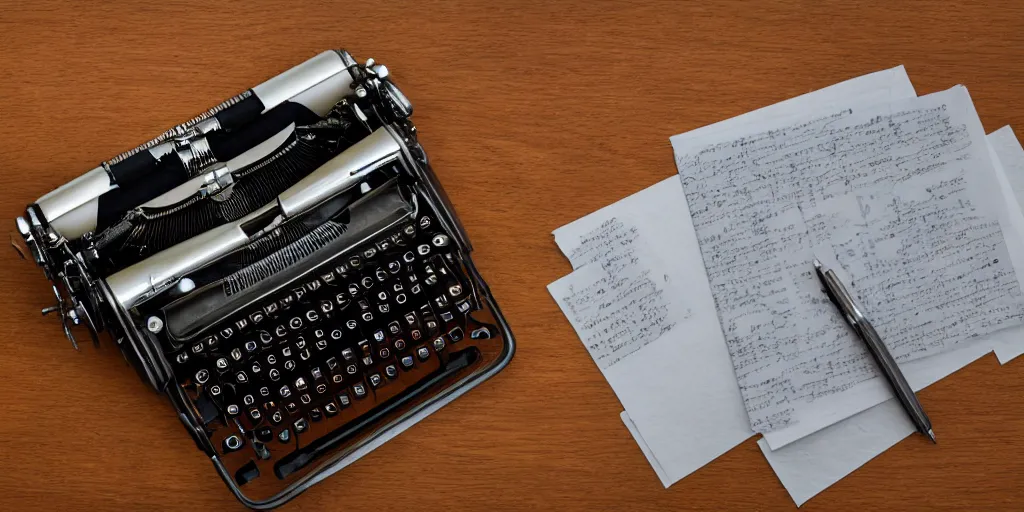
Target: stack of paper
{"points": [[696, 301]]}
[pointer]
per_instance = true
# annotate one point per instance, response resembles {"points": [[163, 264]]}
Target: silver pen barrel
{"points": [[853, 314], [147, 277]]}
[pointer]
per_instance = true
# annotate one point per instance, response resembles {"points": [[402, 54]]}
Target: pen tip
{"points": [[817, 264], [931, 435]]}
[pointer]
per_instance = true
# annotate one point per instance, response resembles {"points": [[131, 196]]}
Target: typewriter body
{"points": [[285, 268]]}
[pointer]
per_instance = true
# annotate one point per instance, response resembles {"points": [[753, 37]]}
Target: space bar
{"points": [[304, 456]]}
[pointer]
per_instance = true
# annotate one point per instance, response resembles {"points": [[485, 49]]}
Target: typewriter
{"points": [[286, 268]]}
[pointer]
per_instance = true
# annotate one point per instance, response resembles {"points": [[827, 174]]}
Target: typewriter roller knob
{"points": [[154, 324]]}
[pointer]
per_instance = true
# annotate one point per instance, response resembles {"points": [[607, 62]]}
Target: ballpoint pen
{"points": [[855, 317]]}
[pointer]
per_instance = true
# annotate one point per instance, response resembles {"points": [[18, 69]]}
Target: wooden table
{"points": [[534, 114]]}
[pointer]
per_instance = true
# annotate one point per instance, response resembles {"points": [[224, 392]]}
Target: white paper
{"points": [[1008, 160], [812, 464], [704, 416], [902, 192]]}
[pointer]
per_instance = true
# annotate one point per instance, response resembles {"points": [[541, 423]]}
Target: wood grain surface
{"points": [[534, 113]]}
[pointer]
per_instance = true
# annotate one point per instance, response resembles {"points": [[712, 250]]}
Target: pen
{"points": [[855, 317]]}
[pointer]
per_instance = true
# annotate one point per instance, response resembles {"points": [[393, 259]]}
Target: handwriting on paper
{"points": [[616, 298], [890, 195]]}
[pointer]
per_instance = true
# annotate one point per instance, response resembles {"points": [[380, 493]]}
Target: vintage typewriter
{"points": [[285, 268]]}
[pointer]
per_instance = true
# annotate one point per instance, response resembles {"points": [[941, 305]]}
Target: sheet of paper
{"points": [[691, 360], [1008, 159], [900, 191], [812, 464]]}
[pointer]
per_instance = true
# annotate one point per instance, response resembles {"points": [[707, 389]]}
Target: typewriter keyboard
{"points": [[329, 350]]}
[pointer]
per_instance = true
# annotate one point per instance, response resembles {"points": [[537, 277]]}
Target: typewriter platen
{"points": [[285, 268]]}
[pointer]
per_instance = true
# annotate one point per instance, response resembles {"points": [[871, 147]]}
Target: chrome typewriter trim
{"points": [[116, 303]]}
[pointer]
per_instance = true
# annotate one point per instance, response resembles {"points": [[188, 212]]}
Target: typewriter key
{"points": [[369, 253], [353, 289], [222, 364], [384, 245], [378, 336], [241, 324], [336, 378], [367, 316], [438, 344], [215, 390], [266, 338], [441, 301], [326, 306], [394, 267], [330, 409], [202, 376], [305, 398], [300, 343], [233, 410], [321, 344], [319, 333], [409, 230], [281, 331], [241, 377], [300, 425], [227, 332], [297, 293], [271, 308], [423, 353], [248, 400], [415, 334], [232, 443], [305, 354], [399, 344], [406, 362], [265, 391], [367, 361], [321, 388], [271, 359], [316, 373], [343, 302], [455, 290], [462, 306], [332, 363], [344, 400], [394, 327], [284, 436], [250, 346], [375, 380], [359, 390], [423, 250], [439, 240], [197, 348], [182, 358], [261, 451], [295, 323], [286, 301], [348, 354], [274, 374], [397, 287], [256, 368], [291, 407], [312, 315], [336, 334], [455, 334], [367, 282], [286, 352], [289, 365], [315, 414], [431, 280], [381, 274], [425, 222], [391, 371], [285, 391], [300, 384], [416, 289], [255, 415], [313, 285], [264, 435], [447, 316], [385, 353], [211, 342], [351, 369], [408, 257], [327, 278], [355, 262], [257, 317], [276, 417]]}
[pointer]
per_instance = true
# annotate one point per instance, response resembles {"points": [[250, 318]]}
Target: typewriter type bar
{"points": [[301, 292]]}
